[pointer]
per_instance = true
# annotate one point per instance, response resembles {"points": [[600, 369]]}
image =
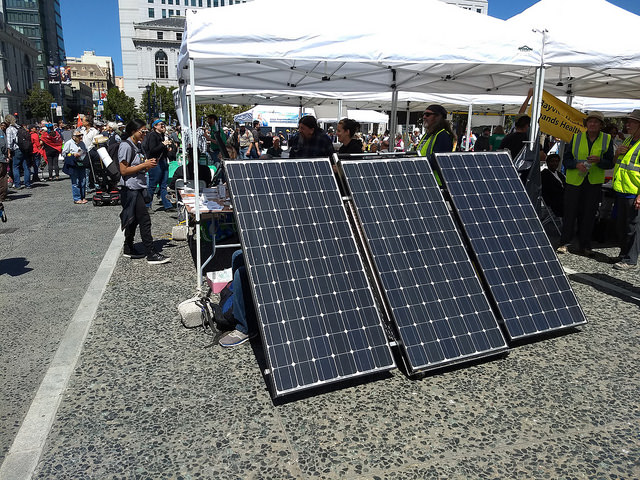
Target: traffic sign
{"points": [[54, 105], [100, 102]]}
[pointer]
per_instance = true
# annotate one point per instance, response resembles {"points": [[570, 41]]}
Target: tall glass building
{"points": [[40, 21]]}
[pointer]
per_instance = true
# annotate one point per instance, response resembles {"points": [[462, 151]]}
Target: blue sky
{"points": [[94, 25]]}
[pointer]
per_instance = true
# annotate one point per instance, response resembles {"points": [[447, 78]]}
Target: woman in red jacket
{"points": [[52, 146], [38, 152]]}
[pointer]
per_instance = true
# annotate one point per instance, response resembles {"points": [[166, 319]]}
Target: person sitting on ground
{"points": [[275, 151], [553, 182], [346, 131], [482, 143], [76, 161], [311, 141], [585, 160], [133, 184], [243, 307]]}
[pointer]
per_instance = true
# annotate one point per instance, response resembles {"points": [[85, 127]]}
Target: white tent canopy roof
{"points": [[587, 47], [283, 53]]}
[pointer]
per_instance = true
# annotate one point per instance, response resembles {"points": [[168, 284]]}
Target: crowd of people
{"points": [[571, 185]]}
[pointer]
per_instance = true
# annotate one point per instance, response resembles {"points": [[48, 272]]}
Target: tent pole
{"points": [[394, 116], [536, 104], [468, 145], [406, 130], [339, 117], [184, 105], [196, 163]]}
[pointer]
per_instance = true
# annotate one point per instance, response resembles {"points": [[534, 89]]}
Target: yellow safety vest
{"points": [[629, 142], [425, 147], [581, 151], [626, 178]]}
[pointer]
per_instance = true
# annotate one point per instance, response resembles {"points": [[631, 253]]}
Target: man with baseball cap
{"points": [[585, 161], [626, 183]]}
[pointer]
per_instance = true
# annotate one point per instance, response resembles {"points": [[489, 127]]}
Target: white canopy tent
{"points": [[485, 56]]}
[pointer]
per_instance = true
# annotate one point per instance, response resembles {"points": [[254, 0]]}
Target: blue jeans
{"points": [[159, 175], [20, 158], [78, 183], [243, 153], [243, 308]]}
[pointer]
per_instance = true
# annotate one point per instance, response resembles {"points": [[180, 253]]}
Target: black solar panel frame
{"points": [[251, 272], [474, 284], [503, 160]]}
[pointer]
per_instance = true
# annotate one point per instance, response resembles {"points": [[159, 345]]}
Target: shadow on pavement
{"points": [[615, 282], [14, 266]]}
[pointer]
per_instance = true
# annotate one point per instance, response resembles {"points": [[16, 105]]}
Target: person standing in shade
{"points": [[496, 139], [585, 160], [626, 184], [482, 144], [133, 184], [516, 140], [553, 182], [311, 141], [255, 132], [438, 136], [346, 131]]}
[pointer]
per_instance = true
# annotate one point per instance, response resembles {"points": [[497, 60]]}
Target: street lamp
{"points": [[148, 87]]}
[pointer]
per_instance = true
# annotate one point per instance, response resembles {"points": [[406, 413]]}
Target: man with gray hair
{"points": [[16, 155]]}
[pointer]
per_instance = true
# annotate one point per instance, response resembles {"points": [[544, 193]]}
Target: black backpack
{"points": [[24, 141]]}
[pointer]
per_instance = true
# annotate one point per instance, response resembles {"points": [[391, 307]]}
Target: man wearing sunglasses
{"points": [[439, 135]]}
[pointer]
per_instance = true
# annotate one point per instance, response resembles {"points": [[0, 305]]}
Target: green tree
{"points": [[119, 103], [39, 102], [224, 111], [161, 101]]}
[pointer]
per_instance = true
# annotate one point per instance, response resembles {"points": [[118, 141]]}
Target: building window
{"points": [[179, 36], [199, 3], [170, 2], [215, 3], [177, 2], [150, 1], [163, 2], [171, 12], [152, 13], [164, 13], [160, 35], [209, 3], [162, 65]]}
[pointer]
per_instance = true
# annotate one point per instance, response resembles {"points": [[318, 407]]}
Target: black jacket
{"points": [[354, 146], [153, 146]]}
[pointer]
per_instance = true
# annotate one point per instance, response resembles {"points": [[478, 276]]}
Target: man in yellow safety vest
{"points": [[626, 183], [585, 161]]}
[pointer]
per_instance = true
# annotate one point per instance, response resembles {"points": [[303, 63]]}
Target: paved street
{"points": [[149, 399]]}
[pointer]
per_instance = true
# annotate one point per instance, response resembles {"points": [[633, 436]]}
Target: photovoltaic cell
{"points": [[437, 301], [520, 266], [315, 307]]}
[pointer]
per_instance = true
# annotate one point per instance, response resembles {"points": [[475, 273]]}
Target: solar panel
{"points": [[316, 311], [518, 263], [436, 299]]}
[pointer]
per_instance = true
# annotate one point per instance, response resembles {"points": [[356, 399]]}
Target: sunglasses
{"points": [[427, 114]]}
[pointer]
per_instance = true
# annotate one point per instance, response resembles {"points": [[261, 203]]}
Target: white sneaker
{"points": [[233, 339]]}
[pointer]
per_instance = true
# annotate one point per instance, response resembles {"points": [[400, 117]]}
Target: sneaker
{"points": [[623, 266], [130, 251], [562, 249], [234, 338], [157, 258]]}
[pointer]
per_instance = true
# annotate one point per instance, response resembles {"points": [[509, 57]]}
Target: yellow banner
{"points": [[559, 119]]}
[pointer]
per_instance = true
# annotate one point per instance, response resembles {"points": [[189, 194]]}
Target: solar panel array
{"points": [[518, 263], [316, 311], [437, 301]]}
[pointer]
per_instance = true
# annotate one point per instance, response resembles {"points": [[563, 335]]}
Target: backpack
{"points": [[24, 141], [223, 311], [3, 149]]}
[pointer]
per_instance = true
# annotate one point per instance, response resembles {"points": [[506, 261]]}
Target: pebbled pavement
{"points": [[151, 399]]}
